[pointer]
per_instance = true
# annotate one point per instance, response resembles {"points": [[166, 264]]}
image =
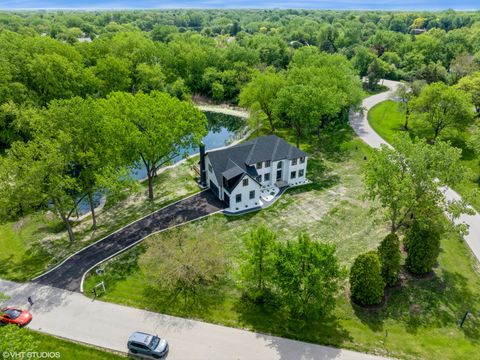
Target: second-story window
{"points": [[279, 165], [259, 165], [245, 182], [302, 160], [267, 163], [294, 162]]}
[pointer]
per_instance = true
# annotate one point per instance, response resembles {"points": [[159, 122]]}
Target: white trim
{"points": [[86, 247], [139, 241]]}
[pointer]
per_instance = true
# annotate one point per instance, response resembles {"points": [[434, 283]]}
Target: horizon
{"points": [[92, 5]]}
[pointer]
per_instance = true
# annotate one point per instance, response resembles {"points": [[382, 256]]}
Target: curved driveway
{"points": [[359, 123], [69, 274]]}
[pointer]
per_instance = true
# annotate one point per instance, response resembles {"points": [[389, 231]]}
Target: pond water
{"points": [[222, 129]]}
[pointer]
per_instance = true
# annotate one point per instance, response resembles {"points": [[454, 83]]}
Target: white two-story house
{"points": [[238, 174]]}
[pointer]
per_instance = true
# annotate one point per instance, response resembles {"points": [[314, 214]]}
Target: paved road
{"points": [[73, 316], [68, 275], [360, 125]]}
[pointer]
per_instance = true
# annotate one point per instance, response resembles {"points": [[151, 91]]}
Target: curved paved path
{"points": [[360, 125], [69, 274]]}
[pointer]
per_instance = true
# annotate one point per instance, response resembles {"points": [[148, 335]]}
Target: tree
{"points": [[307, 275], [376, 71], [405, 93], [422, 243], [407, 179], [362, 60], [260, 93], [149, 77], [94, 145], [257, 268], [366, 282], [182, 264], [38, 174], [471, 85], [164, 127], [114, 73], [299, 106], [389, 255], [440, 107]]}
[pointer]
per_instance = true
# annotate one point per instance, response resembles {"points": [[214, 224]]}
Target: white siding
{"points": [[264, 170], [211, 176], [297, 168], [246, 202]]}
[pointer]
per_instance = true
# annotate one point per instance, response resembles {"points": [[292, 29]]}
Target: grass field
{"points": [[421, 316], [34, 243], [387, 119], [67, 350]]}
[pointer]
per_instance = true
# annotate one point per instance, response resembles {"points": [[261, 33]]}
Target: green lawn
{"points": [[36, 242], [67, 349], [387, 119], [421, 316]]}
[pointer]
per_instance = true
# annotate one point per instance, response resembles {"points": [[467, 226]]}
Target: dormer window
{"points": [[259, 165]]}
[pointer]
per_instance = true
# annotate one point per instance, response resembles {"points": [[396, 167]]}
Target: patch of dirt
{"points": [[19, 224]]}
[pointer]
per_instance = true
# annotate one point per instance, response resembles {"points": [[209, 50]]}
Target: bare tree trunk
{"points": [[92, 210], [407, 114], [66, 221], [150, 184]]}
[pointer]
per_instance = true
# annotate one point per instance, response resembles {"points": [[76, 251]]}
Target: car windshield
{"points": [[154, 343], [12, 313]]}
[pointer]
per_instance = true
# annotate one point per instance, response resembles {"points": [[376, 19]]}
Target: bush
{"points": [[389, 255], [366, 282], [422, 243]]}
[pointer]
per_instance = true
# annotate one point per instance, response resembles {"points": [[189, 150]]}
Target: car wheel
{"points": [[156, 356]]}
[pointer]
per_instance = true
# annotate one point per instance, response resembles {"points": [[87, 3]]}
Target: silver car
{"points": [[147, 345]]}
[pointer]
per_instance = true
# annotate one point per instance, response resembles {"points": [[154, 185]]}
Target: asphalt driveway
{"points": [[68, 275]]}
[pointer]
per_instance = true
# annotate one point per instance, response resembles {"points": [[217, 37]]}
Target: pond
{"points": [[222, 129]]}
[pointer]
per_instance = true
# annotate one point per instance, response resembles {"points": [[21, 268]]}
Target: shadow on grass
{"points": [[422, 303], [271, 319]]}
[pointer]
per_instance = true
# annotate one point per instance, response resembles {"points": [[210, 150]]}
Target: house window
{"points": [[238, 198], [266, 177], [245, 182], [209, 167], [300, 173], [279, 165], [259, 165], [293, 175], [252, 194], [302, 160], [294, 162], [267, 163], [259, 178]]}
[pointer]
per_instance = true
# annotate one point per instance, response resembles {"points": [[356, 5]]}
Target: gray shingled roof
{"points": [[234, 160]]}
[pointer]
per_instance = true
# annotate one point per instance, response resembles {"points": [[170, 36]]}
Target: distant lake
{"points": [[244, 4]]}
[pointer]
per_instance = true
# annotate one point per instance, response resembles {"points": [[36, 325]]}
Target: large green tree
{"points": [[389, 255], [260, 93], [164, 127], [440, 107], [409, 178]]}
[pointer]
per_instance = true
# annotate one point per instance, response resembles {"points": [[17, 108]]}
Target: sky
{"points": [[239, 4]]}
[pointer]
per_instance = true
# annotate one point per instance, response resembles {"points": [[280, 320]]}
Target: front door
{"points": [[279, 175]]}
